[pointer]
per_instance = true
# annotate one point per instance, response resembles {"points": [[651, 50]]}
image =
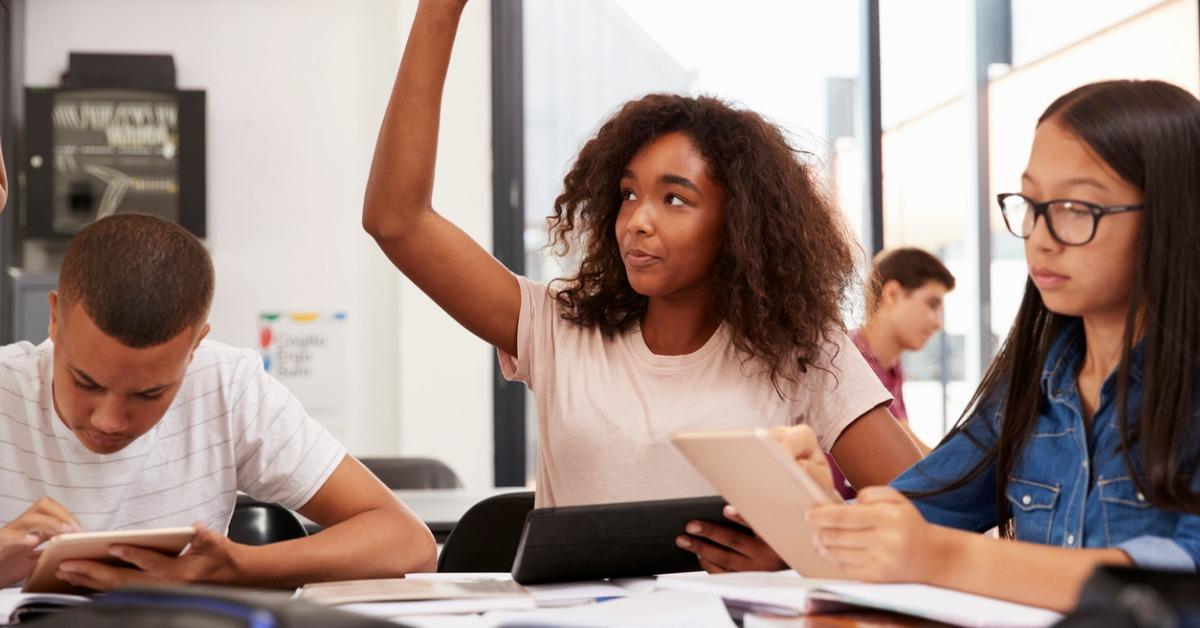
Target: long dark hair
{"points": [[785, 265], [1148, 132]]}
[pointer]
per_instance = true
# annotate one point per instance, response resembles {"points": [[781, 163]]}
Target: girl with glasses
{"points": [[1081, 442]]}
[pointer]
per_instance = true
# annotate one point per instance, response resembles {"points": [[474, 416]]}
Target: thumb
{"points": [[880, 495], [202, 539]]}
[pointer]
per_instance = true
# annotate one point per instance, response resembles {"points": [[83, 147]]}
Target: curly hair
{"points": [[786, 263]]}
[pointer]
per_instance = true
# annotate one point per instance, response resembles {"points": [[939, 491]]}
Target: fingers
{"points": [[881, 495], [848, 558], [726, 560], [798, 440], [721, 535], [42, 525], [841, 516], [50, 507], [733, 515], [831, 538], [144, 559], [94, 575]]}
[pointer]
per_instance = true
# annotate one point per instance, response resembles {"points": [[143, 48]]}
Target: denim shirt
{"points": [[1070, 486]]}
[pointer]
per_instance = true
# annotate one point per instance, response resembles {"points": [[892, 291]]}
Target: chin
{"points": [[1062, 306], [645, 288]]}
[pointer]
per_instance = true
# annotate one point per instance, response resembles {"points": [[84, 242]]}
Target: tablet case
{"points": [[620, 540]]}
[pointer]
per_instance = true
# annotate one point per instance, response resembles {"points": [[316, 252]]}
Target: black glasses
{"points": [[1070, 222]]}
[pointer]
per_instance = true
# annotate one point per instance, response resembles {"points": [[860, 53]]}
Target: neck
{"points": [[679, 325], [883, 342], [1104, 334]]}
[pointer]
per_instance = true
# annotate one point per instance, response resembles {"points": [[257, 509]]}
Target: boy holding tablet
{"points": [[127, 418]]}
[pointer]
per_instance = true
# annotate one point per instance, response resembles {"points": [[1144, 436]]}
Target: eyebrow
{"points": [[675, 179], [1085, 181], [87, 379], [672, 179]]}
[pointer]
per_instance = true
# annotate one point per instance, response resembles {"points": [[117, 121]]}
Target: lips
{"points": [[105, 442], [1047, 279], [637, 258]]}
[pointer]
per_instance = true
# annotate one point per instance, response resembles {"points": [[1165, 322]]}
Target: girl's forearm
{"points": [[1026, 573]]}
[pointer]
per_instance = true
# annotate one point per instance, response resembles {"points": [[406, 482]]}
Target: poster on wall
{"points": [[114, 150], [306, 351]]}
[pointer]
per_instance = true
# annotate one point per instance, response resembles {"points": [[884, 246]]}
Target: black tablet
{"points": [[611, 540]]}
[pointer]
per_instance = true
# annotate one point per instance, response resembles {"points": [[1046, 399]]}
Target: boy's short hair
{"points": [[910, 267], [141, 279]]}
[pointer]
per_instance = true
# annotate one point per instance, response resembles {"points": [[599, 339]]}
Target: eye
{"points": [[628, 195], [149, 397], [85, 386], [675, 200]]}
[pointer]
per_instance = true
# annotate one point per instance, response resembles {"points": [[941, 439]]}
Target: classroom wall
{"points": [[296, 90]]}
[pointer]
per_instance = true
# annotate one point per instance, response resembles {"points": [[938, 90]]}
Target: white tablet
{"points": [[757, 477], [94, 546]]}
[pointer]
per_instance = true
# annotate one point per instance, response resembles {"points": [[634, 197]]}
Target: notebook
{"points": [[395, 597], [786, 593]]}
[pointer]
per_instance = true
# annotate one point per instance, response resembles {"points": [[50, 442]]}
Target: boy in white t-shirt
{"points": [[127, 418]]}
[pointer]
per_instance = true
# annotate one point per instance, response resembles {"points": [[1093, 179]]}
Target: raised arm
{"points": [[443, 261]]}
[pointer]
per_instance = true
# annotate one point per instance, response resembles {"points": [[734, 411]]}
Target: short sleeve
{"points": [[535, 335], [838, 389], [283, 454], [972, 505]]}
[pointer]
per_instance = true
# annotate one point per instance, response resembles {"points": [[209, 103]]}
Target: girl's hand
{"points": [[721, 548], [211, 557], [880, 538], [801, 444], [46, 518]]}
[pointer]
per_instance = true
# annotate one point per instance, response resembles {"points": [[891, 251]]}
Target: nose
{"points": [[109, 418], [641, 219], [1040, 238]]}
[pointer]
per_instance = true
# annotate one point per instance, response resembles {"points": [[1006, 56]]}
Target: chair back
{"points": [[485, 539], [412, 473], [260, 523]]}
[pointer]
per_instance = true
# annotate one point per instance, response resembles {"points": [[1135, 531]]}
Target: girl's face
{"points": [[1095, 278], [670, 226]]}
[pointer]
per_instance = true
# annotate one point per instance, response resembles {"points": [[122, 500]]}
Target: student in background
{"points": [[904, 295], [1082, 441], [708, 294], [128, 418]]}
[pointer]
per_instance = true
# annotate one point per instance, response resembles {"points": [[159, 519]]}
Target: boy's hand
{"points": [[211, 557], [43, 520]]}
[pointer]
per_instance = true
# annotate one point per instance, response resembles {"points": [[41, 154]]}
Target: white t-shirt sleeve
{"points": [[535, 335], [283, 454], [838, 389]]}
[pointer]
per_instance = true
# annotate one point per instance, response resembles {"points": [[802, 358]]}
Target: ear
{"points": [[54, 317], [891, 292], [199, 337]]}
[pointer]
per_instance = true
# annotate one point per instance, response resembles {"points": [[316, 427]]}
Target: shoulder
{"points": [[24, 361], [218, 362]]}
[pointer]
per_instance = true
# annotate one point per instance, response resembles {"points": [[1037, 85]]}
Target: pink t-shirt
{"points": [[606, 405]]}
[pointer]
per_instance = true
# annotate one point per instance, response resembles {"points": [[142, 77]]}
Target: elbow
{"points": [[425, 553], [388, 221], [375, 224]]}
